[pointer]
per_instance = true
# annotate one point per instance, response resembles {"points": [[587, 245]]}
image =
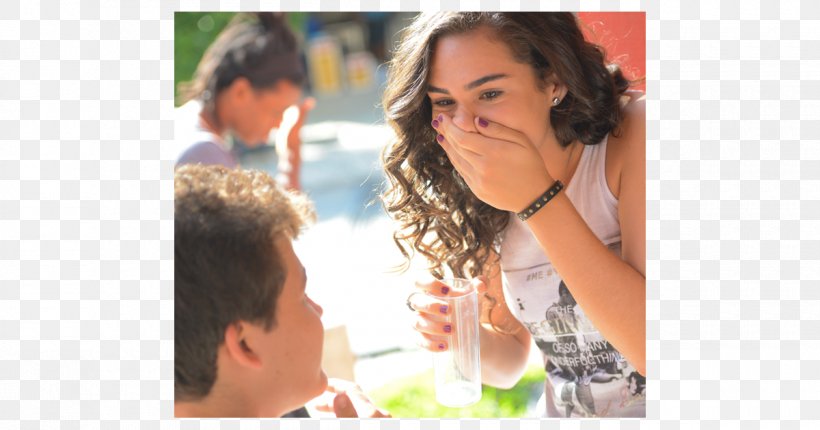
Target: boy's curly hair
{"points": [[226, 266]]}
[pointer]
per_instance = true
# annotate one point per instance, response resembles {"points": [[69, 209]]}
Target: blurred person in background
{"points": [[495, 113], [247, 339], [247, 83]]}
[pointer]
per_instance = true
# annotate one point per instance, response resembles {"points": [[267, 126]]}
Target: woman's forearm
{"points": [[611, 292], [503, 357]]}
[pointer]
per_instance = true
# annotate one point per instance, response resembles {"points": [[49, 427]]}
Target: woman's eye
{"points": [[489, 95], [443, 102]]}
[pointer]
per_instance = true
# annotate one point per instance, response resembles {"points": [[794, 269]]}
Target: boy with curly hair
{"points": [[248, 339]]}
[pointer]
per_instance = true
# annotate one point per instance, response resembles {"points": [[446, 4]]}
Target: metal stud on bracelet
{"points": [[541, 201]]}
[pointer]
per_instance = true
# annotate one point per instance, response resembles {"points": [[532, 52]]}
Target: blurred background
{"points": [[349, 253]]}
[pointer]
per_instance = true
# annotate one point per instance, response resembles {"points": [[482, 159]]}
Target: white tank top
{"points": [[586, 376]]}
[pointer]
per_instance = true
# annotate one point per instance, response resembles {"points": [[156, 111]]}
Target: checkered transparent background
{"points": [[86, 208]]}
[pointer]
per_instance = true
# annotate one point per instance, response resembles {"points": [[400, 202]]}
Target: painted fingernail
{"points": [[434, 123], [443, 309], [445, 290], [440, 117], [440, 138], [448, 328], [441, 347], [483, 122]]}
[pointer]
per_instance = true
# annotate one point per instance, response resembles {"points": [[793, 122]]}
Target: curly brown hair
{"points": [[226, 267], [439, 216]]}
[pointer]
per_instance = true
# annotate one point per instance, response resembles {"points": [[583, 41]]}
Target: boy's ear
{"points": [[238, 347]]}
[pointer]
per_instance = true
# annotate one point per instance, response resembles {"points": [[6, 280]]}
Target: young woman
{"points": [[520, 162], [243, 85]]}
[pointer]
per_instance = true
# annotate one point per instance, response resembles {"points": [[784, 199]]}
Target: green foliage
{"points": [[414, 397], [193, 33]]}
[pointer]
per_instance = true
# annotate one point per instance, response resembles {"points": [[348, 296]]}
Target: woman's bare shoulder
{"points": [[626, 149], [630, 137], [634, 108]]}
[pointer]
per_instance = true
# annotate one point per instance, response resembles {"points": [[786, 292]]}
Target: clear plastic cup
{"points": [[458, 369]]}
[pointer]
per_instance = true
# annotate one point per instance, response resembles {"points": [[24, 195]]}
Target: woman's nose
{"points": [[464, 119]]}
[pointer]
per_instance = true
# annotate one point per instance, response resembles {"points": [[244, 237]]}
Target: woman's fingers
{"points": [[433, 286], [423, 300], [500, 165], [429, 305], [432, 343], [431, 324], [462, 165], [470, 149], [433, 327], [451, 138], [498, 131]]}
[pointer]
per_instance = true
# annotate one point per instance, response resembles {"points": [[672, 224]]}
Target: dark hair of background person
{"points": [[257, 46], [226, 267], [439, 216]]}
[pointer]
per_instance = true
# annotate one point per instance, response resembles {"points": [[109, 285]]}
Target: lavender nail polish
{"points": [[445, 290], [441, 347], [440, 138], [443, 309], [439, 117], [483, 122], [434, 123], [448, 328]]}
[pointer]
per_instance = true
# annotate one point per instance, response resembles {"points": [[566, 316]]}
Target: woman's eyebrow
{"points": [[481, 81], [476, 83]]}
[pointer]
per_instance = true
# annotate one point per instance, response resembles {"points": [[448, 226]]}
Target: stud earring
{"points": [[555, 101]]}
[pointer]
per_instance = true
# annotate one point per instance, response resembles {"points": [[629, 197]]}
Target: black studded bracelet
{"points": [[541, 201]]}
